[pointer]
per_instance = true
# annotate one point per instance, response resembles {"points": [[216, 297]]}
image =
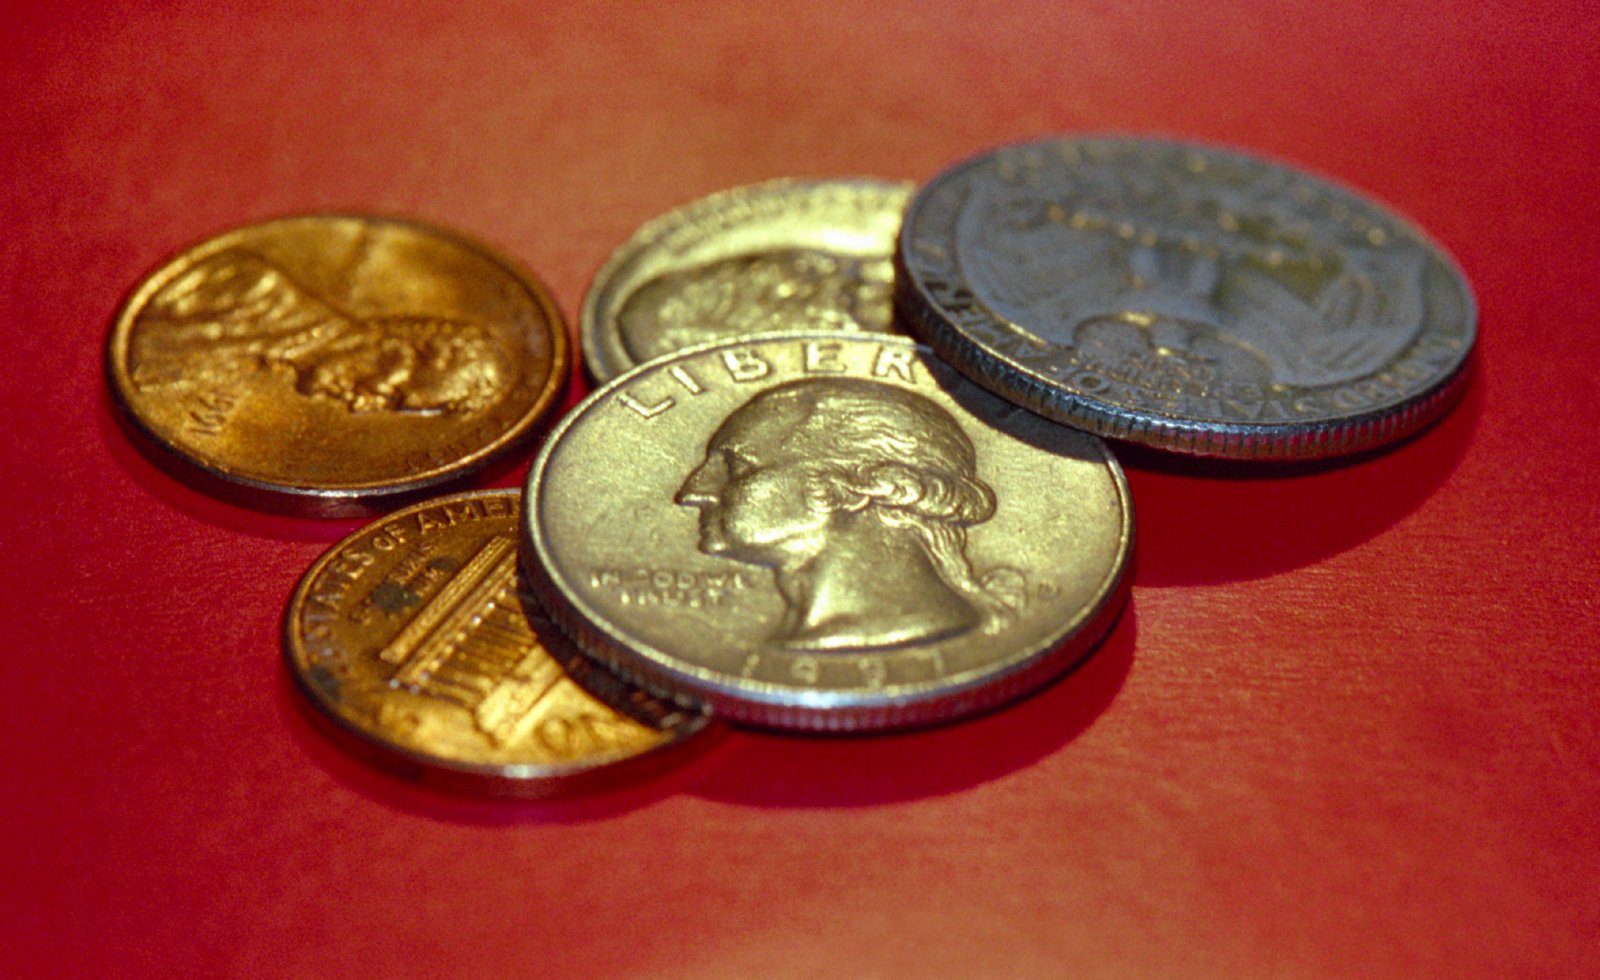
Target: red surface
{"points": [[1348, 726]]}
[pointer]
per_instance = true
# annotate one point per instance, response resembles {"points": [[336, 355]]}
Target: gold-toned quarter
{"points": [[413, 638], [782, 255], [825, 531], [332, 365]]}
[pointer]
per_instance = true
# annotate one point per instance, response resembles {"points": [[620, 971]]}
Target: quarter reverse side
{"points": [[1186, 297]]}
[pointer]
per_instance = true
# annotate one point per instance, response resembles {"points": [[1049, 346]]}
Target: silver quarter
{"points": [[825, 531], [1185, 297]]}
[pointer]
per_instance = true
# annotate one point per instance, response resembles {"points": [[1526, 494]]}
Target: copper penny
{"points": [[412, 641], [332, 365]]}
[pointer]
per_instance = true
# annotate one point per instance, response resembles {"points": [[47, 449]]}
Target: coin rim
{"points": [[768, 704], [521, 780], [331, 500], [1293, 440], [603, 355]]}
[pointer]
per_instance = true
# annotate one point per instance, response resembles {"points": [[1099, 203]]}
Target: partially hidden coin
{"points": [[412, 641], [1186, 297], [825, 531], [333, 365], [781, 255]]}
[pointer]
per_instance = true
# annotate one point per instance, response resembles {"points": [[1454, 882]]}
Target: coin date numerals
{"points": [[873, 671], [565, 736]]}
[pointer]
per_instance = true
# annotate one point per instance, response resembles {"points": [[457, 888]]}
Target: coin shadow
{"points": [[766, 769], [145, 466], [415, 795], [1043, 437], [1206, 521]]}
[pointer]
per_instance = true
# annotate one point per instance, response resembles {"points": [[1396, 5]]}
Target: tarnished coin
{"points": [[1185, 297], [783, 255], [411, 638], [332, 365], [825, 531]]}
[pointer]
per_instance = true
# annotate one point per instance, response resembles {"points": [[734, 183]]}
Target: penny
{"points": [[826, 531], [1186, 297], [782, 255], [333, 365], [411, 639]]}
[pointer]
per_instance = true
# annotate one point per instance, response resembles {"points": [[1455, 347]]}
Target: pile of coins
{"points": [[775, 509]]}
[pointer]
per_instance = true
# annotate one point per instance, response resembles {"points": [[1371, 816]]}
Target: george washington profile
{"points": [[858, 496]]}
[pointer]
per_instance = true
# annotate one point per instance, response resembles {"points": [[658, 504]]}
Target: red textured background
{"points": [[1349, 725]]}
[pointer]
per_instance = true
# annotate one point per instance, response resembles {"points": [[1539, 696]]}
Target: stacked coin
{"points": [[772, 511], [784, 255], [415, 640], [825, 531], [1185, 297], [331, 365]]}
